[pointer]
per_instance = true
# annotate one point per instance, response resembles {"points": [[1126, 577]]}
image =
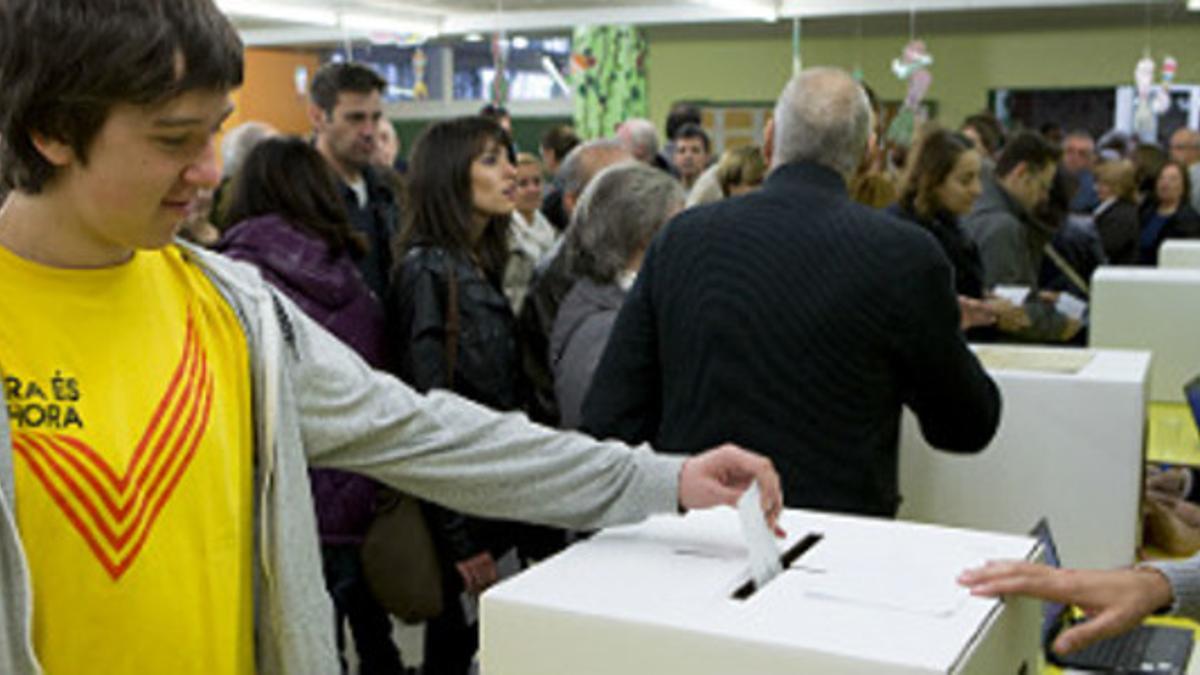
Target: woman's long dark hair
{"points": [[440, 211], [932, 161], [285, 176]]}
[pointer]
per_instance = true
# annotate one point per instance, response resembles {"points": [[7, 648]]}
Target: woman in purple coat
{"points": [[290, 223]]}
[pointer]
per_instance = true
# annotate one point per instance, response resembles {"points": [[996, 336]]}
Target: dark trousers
{"points": [[450, 644], [353, 603]]}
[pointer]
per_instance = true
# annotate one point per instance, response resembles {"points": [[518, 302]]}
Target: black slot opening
{"points": [[786, 559]]}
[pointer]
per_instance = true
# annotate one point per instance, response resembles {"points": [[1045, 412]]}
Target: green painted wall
{"points": [[527, 131], [752, 63]]}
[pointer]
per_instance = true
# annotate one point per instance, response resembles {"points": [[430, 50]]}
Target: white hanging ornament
{"points": [[1143, 116]]}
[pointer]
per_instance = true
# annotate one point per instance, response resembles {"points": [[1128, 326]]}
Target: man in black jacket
{"points": [[798, 322], [345, 108]]}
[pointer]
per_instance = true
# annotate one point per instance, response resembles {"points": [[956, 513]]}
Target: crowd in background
{"points": [[499, 273]]}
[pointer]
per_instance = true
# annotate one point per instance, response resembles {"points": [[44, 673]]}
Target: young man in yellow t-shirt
{"points": [[162, 404]]}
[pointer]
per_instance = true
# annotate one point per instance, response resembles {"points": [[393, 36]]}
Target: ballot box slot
{"points": [[791, 555]]}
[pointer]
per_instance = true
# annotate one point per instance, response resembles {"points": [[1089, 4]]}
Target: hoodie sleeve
{"points": [[448, 450]]}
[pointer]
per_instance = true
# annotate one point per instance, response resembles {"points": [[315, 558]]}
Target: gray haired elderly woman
{"points": [[616, 217]]}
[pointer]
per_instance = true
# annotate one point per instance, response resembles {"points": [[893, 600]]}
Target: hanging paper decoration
{"points": [[1162, 95], [419, 61], [499, 92], [1143, 116], [608, 74], [913, 66]]}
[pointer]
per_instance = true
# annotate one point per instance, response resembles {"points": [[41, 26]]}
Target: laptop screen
{"points": [[1053, 611]]}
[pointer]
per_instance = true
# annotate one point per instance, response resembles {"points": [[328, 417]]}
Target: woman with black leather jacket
{"points": [[940, 185], [453, 328]]}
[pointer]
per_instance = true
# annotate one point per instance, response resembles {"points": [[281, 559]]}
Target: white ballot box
{"points": [[1069, 448], [1180, 254], [862, 596], [1155, 309]]}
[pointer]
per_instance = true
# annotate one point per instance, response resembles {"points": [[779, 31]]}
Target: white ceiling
{"points": [[265, 22]]}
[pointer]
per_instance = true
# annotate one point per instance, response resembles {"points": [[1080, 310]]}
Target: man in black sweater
{"points": [[795, 321]]}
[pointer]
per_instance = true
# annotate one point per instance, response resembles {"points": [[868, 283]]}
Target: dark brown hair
{"points": [[561, 140], [990, 132], [1027, 147], [932, 160], [692, 131], [64, 64], [335, 78], [440, 211], [285, 176]]}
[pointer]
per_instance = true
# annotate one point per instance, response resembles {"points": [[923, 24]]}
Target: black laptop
{"points": [[1161, 650]]}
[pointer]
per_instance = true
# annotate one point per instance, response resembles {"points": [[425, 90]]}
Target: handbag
{"points": [[399, 559]]}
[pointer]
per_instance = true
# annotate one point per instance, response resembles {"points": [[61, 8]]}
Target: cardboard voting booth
{"points": [[1153, 309], [1180, 254], [1069, 447], [862, 596]]}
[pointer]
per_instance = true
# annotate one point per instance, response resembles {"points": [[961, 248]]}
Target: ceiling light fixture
{"points": [[767, 11], [278, 11], [387, 24]]}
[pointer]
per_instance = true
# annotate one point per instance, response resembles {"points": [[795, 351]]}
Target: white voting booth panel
{"points": [[1155, 309], [1069, 448], [872, 596], [1179, 254]]}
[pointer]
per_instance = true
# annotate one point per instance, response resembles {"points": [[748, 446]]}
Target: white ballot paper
{"points": [[764, 554]]}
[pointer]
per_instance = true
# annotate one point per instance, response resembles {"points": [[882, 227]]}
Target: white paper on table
{"points": [[1071, 306], [1014, 294], [764, 554]]}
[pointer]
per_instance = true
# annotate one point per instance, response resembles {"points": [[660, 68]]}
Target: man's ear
{"points": [[55, 151], [316, 116]]}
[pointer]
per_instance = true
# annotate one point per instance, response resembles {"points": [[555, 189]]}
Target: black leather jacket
{"points": [[487, 368]]}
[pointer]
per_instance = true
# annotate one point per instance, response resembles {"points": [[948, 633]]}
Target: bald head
{"points": [[639, 136], [822, 116], [584, 162], [1185, 146]]}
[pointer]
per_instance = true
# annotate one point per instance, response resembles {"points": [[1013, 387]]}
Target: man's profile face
{"points": [[690, 157], [349, 131], [387, 145], [144, 169], [1032, 184]]}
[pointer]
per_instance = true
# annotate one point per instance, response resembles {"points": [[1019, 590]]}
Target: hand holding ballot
{"points": [[722, 474], [1114, 600]]}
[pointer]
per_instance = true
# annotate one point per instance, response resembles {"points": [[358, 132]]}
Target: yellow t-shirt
{"points": [[129, 401]]}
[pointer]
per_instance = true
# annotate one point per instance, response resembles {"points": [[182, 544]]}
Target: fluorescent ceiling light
{"points": [[474, 37], [387, 24], [279, 12], [767, 11], [520, 42]]}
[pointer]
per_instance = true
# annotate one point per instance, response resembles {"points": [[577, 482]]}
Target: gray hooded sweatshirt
{"points": [[316, 402]]}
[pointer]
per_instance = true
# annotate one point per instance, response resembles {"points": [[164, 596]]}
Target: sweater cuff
{"points": [[1184, 577], [660, 479]]}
